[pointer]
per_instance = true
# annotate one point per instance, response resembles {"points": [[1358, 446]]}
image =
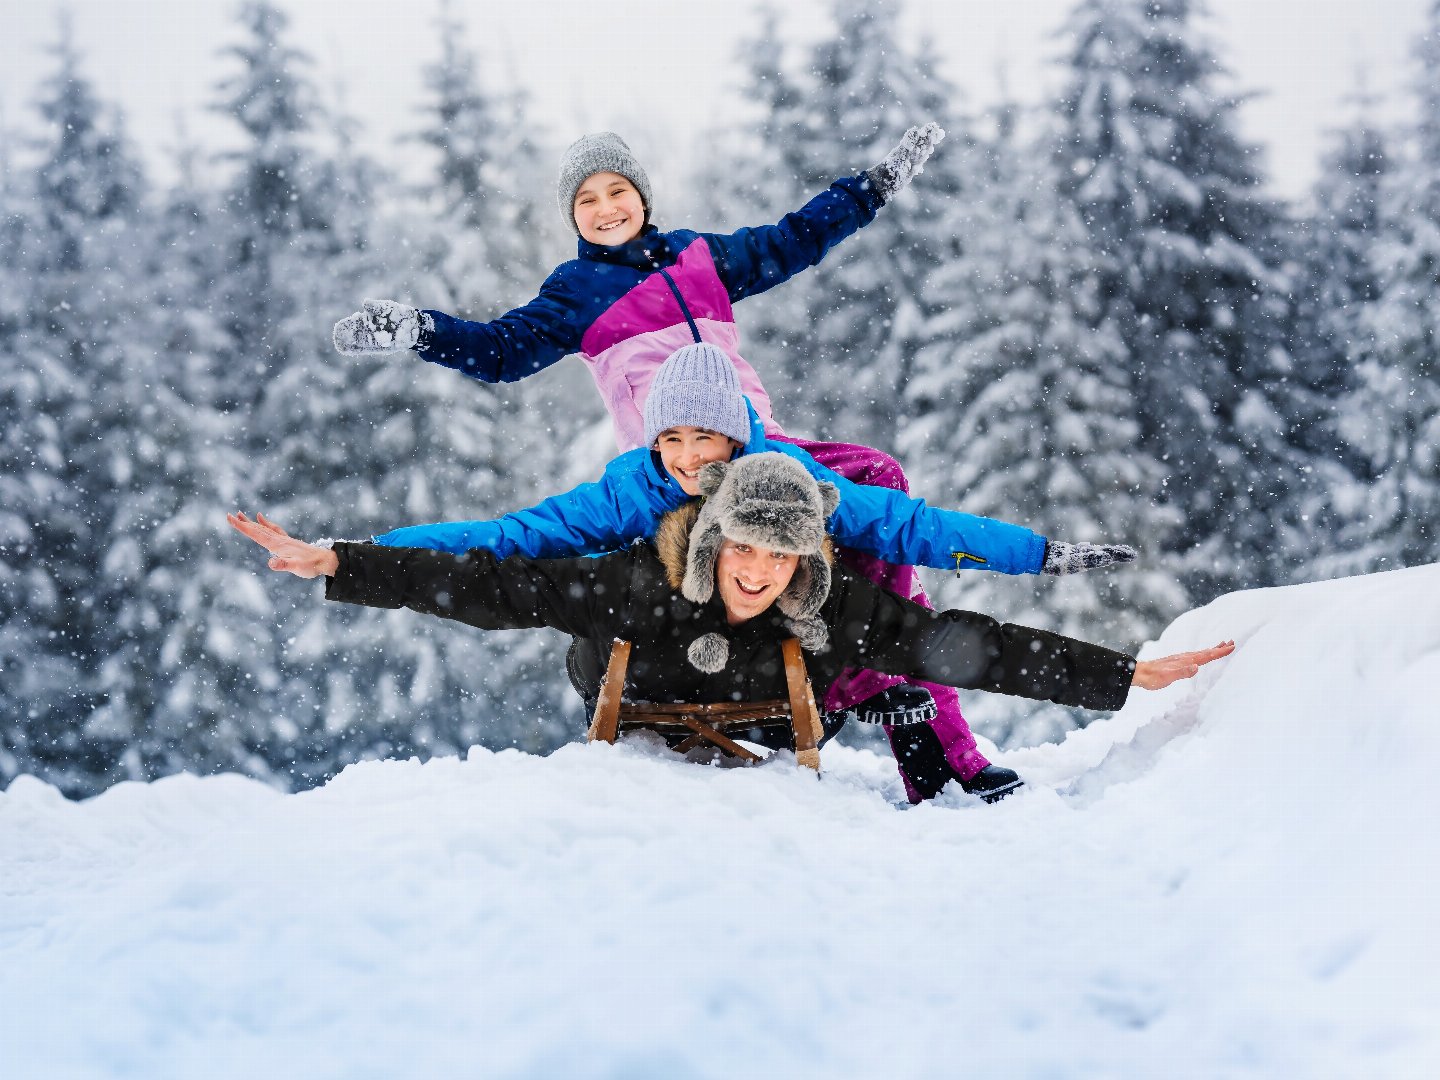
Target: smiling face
{"points": [[750, 579], [684, 451], [608, 210]]}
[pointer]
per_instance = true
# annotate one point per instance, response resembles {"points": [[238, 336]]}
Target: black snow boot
{"points": [[921, 760], [993, 783], [900, 706]]}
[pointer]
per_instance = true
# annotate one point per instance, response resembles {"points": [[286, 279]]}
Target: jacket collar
{"points": [[648, 251]]}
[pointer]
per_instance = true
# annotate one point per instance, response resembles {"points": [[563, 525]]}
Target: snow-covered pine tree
{"points": [[841, 332], [1150, 154], [32, 663], [1401, 395], [298, 695], [75, 401], [1329, 515], [742, 180], [489, 204], [478, 239], [1021, 408]]}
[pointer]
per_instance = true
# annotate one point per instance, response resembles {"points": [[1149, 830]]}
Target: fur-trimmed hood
{"points": [[764, 499]]}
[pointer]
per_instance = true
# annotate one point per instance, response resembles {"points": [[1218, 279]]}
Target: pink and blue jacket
{"points": [[626, 308]]}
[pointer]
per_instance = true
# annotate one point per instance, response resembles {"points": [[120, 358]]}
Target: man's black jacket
{"points": [[627, 595]]}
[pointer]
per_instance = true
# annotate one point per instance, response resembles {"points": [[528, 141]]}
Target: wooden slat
{"points": [[707, 721], [803, 715], [606, 724], [686, 745], [727, 713], [730, 746]]}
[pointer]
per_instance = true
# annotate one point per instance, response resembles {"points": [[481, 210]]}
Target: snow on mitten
{"points": [[901, 164], [1062, 558], [381, 326]]}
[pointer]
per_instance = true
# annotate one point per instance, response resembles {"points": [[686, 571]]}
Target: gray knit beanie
{"points": [[697, 386], [603, 151]]}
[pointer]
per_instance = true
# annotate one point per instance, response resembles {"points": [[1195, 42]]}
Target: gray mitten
{"points": [[1063, 558], [381, 326], [901, 164]]}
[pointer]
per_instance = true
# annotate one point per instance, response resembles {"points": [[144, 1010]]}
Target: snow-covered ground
{"points": [[1234, 877]]}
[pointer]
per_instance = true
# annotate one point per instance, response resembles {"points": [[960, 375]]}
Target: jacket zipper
{"points": [[684, 307]]}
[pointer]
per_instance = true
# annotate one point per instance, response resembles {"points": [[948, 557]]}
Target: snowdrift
{"points": [[1230, 878]]}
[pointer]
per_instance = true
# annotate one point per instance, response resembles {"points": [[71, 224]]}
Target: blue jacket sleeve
{"points": [[906, 531], [755, 259], [588, 520], [519, 343]]}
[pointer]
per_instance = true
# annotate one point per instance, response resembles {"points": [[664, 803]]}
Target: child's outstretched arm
{"points": [[591, 519], [518, 343], [900, 529], [755, 259]]}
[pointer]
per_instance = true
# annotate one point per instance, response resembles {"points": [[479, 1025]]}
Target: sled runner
{"points": [[710, 722]]}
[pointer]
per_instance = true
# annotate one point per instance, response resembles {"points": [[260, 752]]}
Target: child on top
{"points": [[635, 294]]}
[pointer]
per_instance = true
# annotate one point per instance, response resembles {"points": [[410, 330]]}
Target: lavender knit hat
{"points": [[697, 387], [603, 151]]}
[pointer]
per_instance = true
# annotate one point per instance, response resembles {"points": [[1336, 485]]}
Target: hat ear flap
{"points": [[699, 582], [802, 599], [813, 634], [711, 477], [829, 497], [806, 593]]}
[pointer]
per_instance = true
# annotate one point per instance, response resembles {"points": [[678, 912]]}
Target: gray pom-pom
{"points": [[709, 653]]}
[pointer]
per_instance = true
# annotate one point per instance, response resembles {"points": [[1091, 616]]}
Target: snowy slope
{"points": [[1232, 878]]}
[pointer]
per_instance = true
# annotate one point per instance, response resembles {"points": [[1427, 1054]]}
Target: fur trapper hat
{"points": [[770, 501]]}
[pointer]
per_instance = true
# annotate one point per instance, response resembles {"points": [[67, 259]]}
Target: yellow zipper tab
{"points": [[961, 556]]}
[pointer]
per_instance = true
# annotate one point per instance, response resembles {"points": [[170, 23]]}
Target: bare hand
{"points": [[286, 553], [1158, 674]]}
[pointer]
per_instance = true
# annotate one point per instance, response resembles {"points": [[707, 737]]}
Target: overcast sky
{"points": [[654, 69]]}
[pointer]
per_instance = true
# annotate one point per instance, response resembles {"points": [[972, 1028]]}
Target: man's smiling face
{"points": [[751, 578]]}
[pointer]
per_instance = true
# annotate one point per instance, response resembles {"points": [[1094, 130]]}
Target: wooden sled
{"points": [[708, 723]]}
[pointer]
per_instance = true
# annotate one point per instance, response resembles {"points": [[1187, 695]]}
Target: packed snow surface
{"points": [[1233, 877]]}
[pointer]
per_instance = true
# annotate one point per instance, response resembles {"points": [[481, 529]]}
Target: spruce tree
{"points": [[1402, 376], [1329, 515], [840, 334], [76, 405], [1021, 408], [1185, 243], [479, 239]]}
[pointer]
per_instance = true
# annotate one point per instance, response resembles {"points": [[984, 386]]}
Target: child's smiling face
{"points": [[684, 451], [608, 209]]}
